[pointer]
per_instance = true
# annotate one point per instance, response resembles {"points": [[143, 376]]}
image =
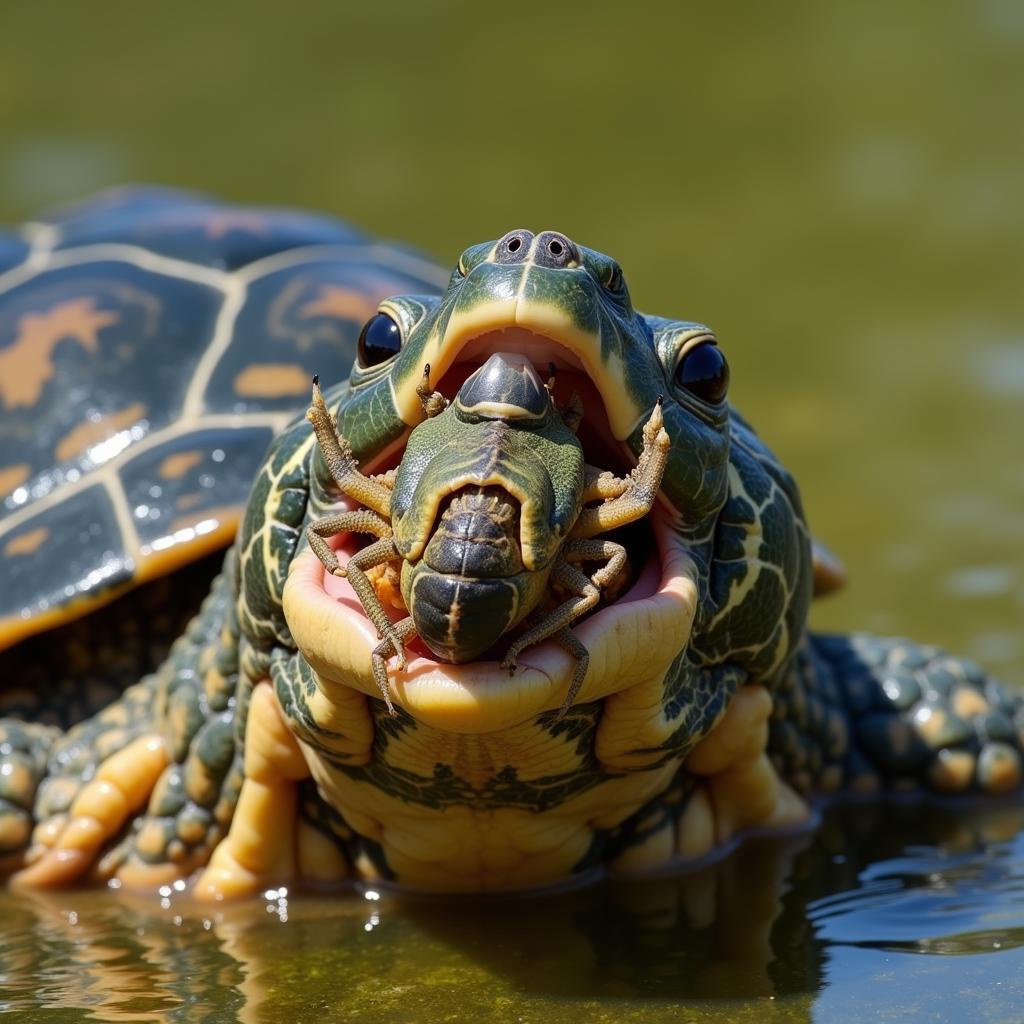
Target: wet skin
{"points": [[707, 709]]}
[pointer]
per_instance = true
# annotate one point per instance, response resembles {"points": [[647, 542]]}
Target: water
{"points": [[836, 189], [881, 910]]}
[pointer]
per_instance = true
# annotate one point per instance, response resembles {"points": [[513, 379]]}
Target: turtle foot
{"points": [[23, 753], [65, 846]]}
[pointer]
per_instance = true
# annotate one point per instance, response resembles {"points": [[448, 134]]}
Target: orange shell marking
{"points": [[27, 364], [272, 380], [13, 476], [177, 465], [27, 543], [343, 303], [92, 432]]}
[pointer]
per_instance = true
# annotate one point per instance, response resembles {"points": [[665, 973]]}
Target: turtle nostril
{"points": [[555, 250], [513, 247]]}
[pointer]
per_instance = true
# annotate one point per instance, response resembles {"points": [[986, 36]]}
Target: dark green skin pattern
{"points": [[849, 712]]}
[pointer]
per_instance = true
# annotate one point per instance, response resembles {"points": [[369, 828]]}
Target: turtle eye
{"points": [[704, 372], [613, 282], [379, 340]]}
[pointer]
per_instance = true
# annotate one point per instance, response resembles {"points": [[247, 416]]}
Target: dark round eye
{"points": [[704, 372], [613, 282], [379, 340]]}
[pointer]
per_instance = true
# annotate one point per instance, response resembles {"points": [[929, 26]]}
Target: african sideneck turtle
{"points": [[262, 750]]}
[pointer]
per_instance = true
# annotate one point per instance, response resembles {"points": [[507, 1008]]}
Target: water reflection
{"points": [[794, 921]]}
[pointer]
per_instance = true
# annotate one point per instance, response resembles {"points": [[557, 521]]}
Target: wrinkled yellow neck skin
{"points": [[461, 848]]}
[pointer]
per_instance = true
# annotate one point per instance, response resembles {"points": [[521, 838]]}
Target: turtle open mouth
{"points": [[631, 636]]}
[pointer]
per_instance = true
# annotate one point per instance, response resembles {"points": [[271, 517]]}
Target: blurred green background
{"points": [[837, 189]]}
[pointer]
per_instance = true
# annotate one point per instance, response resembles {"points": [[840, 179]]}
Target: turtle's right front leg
{"points": [[120, 789]]}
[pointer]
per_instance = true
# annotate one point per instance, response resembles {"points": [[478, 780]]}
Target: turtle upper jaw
{"points": [[544, 332], [631, 643]]}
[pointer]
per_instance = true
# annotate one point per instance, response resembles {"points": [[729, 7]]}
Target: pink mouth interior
{"points": [[646, 585]]}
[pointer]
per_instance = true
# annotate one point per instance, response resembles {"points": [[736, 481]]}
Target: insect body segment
{"points": [[490, 511]]}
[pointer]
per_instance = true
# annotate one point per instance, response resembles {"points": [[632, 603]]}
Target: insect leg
{"points": [[433, 402], [642, 488], [585, 596], [341, 462], [402, 630], [358, 521], [601, 484]]}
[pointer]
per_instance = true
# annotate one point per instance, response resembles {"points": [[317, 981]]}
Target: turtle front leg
{"points": [[24, 749], [120, 788], [261, 846]]}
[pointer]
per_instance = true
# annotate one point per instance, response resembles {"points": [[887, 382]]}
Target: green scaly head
{"points": [[740, 593]]}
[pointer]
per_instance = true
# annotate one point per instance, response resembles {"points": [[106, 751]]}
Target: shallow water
{"points": [[881, 910], [837, 190]]}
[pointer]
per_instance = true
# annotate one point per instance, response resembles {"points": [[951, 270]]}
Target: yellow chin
{"points": [[631, 641]]}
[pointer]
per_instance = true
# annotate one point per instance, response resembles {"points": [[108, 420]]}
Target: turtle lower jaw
{"points": [[631, 643]]}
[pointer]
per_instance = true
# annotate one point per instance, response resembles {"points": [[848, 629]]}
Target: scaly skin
{"points": [[163, 759], [707, 708]]}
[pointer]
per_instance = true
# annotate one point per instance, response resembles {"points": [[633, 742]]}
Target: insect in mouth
{"points": [[492, 509]]}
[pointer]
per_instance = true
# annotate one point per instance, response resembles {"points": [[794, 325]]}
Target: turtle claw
{"points": [[120, 787]]}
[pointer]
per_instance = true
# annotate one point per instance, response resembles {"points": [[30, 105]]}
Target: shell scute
{"points": [[93, 358], [80, 550], [191, 483], [189, 226], [149, 351], [304, 319], [13, 251]]}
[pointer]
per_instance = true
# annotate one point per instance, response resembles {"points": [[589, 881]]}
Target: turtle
{"points": [[263, 752]]}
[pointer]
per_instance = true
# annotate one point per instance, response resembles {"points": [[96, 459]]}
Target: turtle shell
{"points": [[152, 341]]}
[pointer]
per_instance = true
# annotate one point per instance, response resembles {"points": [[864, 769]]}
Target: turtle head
{"points": [[541, 301], [554, 303]]}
